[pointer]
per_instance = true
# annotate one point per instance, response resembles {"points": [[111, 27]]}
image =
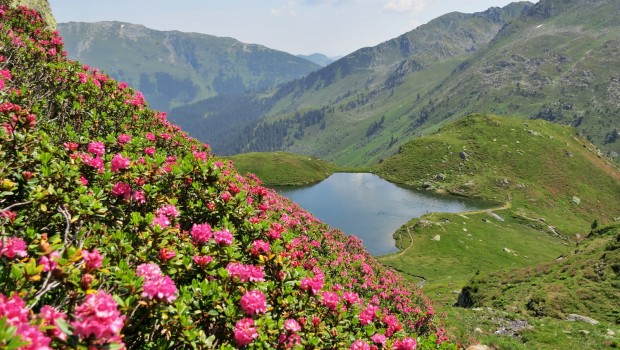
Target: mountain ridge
{"points": [[347, 85], [173, 67]]}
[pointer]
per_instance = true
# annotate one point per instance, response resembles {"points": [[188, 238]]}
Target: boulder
{"points": [[586, 319], [463, 155], [437, 238], [576, 200]]}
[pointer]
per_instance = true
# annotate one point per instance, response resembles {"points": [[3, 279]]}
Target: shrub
{"points": [[118, 230]]}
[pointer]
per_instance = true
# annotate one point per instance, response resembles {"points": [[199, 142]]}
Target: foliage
{"points": [[117, 230]]}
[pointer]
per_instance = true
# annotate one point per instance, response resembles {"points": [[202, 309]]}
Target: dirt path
{"points": [[504, 206]]}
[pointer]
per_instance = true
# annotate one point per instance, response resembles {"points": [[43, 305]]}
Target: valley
{"points": [[172, 225]]}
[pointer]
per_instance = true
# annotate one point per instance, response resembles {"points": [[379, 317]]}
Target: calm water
{"points": [[369, 207]]}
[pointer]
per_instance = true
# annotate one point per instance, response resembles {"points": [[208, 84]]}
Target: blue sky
{"points": [[331, 27]]}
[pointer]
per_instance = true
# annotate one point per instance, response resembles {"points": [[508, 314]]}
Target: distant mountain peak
{"points": [[318, 58]]}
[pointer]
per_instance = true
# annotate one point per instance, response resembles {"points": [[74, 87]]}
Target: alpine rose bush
{"points": [[117, 230]]}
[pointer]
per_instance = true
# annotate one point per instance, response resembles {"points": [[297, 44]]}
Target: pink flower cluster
{"points": [[164, 215], [259, 247], [98, 317], [245, 273], [314, 284], [245, 332], [253, 302], [223, 237], [92, 260], [201, 233], [156, 285], [49, 261], [12, 247], [16, 314], [119, 162], [5, 74]]}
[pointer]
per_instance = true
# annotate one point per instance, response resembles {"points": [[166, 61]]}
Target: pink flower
{"points": [[136, 100], [169, 211], [96, 148], [124, 138], [98, 317], [254, 302], [350, 297], [161, 288], [139, 197], [119, 162], [359, 345], [245, 332], [259, 247], [149, 151], [83, 77], [16, 314], [312, 284], [121, 189], [246, 273], [330, 299], [405, 344], [12, 247], [83, 180], [200, 155], [156, 285], [202, 260], [226, 196], [291, 326], [148, 271], [379, 338], [49, 316], [92, 261], [150, 136], [96, 162], [393, 325], [201, 233], [166, 254], [223, 237], [6, 74], [368, 315], [49, 262], [123, 85], [71, 146], [162, 221]]}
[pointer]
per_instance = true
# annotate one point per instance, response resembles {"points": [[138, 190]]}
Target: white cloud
{"points": [[414, 6], [290, 8]]}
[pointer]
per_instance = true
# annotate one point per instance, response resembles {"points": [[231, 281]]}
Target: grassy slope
{"points": [[283, 169], [544, 169], [538, 166]]}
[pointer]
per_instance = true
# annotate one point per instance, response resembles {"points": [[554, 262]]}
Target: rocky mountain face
{"points": [[554, 60], [174, 68], [338, 104], [557, 62]]}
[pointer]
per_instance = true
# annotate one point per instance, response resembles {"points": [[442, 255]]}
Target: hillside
{"points": [[553, 60], [356, 109], [283, 169], [119, 231], [554, 186], [548, 64], [542, 168], [174, 68]]}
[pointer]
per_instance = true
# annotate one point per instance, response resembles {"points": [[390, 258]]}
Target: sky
{"points": [[330, 27]]}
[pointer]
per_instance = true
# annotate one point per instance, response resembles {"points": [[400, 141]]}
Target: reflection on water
{"points": [[369, 207]]}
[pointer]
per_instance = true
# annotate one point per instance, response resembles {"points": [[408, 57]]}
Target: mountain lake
{"points": [[371, 208]]}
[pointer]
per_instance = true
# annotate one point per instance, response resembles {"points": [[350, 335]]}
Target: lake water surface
{"points": [[371, 208]]}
